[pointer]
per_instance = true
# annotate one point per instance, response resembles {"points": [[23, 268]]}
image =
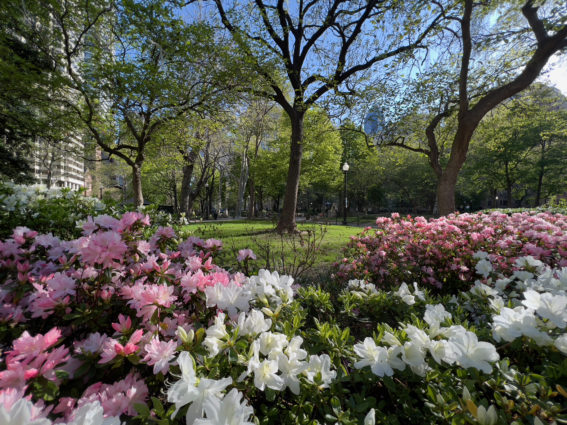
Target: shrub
{"points": [[45, 210], [116, 327], [440, 252]]}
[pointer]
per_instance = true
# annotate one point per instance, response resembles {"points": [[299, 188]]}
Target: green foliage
{"points": [[322, 245], [56, 211], [520, 149]]}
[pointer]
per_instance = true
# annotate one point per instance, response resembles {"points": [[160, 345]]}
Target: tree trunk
{"points": [[252, 202], [540, 174], [188, 167], [137, 185], [242, 183], [287, 218], [174, 190], [446, 192], [210, 192], [509, 186]]}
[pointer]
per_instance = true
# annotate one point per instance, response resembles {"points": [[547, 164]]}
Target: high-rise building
{"points": [[59, 164]]}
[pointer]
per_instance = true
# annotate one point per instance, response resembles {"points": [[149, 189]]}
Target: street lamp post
{"points": [[345, 170]]}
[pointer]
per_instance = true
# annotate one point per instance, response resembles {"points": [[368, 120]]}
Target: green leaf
{"points": [[142, 409]]}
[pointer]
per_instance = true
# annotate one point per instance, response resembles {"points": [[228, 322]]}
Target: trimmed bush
{"points": [[439, 253]]}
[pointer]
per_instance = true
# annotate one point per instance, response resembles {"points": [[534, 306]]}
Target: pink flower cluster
{"points": [[99, 313], [439, 252]]}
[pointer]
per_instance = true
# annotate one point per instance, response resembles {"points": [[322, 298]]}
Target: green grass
{"points": [[260, 236]]}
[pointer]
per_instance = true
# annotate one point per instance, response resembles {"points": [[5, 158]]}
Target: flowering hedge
{"points": [[439, 252], [53, 210], [112, 327]]}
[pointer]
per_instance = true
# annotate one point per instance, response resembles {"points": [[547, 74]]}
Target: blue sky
{"points": [[557, 74]]}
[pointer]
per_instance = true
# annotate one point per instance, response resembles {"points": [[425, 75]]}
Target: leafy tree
{"points": [[322, 149], [254, 124], [318, 47], [30, 80], [521, 148], [473, 71], [131, 67]]}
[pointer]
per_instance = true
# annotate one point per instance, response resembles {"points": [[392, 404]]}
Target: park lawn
{"points": [[258, 234]]}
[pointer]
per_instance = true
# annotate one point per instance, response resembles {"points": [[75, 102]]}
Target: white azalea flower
{"points": [[501, 284], [374, 356], [417, 336], [294, 350], [320, 365], [92, 414], [441, 351], [232, 297], [215, 335], [548, 306], [394, 359], [22, 412], [362, 285], [435, 314], [418, 292], [522, 275], [290, 367], [253, 323], [480, 255], [528, 261], [480, 289], [391, 340], [370, 418], [483, 267], [473, 353], [229, 411], [514, 323], [414, 356], [271, 344], [190, 389], [496, 304], [404, 293], [273, 286], [561, 343], [253, 362], [265, 375]]}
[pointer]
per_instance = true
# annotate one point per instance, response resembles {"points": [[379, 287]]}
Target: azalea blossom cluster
{"points": [[150, 298], [531, 303], [135, 291], [450, 345], [21, 197], [440, 252], [116, 327]]}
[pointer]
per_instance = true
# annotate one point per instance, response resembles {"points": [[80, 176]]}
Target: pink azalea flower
{"points": [[106, 248], [124, 324], [159, 354], [245, 254], [129, 219], [118, 398], [27, 346], [213, 244]]}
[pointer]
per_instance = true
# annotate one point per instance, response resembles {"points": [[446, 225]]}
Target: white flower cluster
{"points": [[24, 197], [206, 397], [272, 353], [361, 288], [539, 304], [24, 412], [461, 347], [272, 287], [274, 361], [267, 287]]}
